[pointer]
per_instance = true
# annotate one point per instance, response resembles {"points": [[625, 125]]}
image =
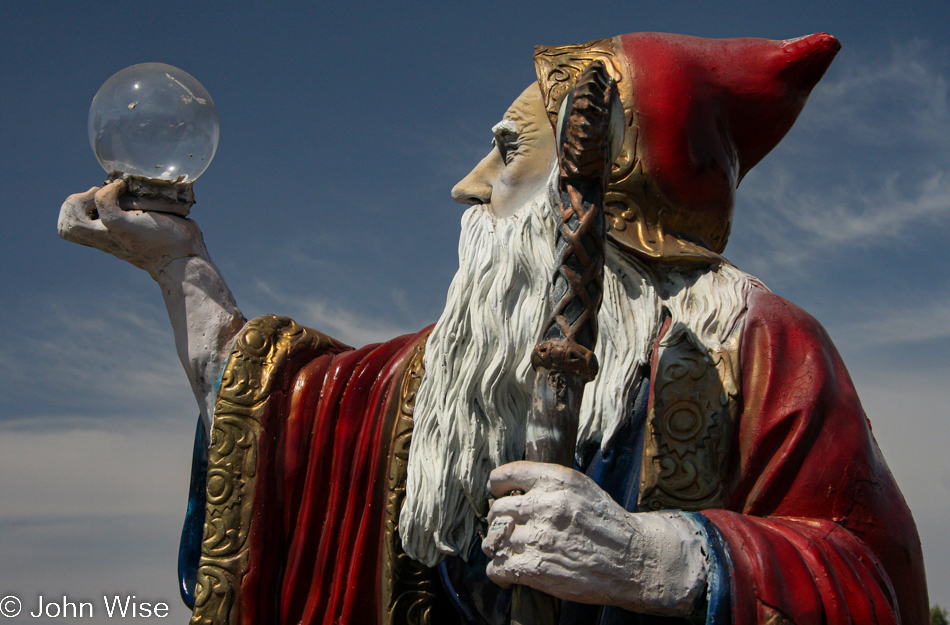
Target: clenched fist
{"points": [[562, 534]]}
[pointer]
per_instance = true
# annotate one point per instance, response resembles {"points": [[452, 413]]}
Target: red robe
{"points": [[814, 527]]}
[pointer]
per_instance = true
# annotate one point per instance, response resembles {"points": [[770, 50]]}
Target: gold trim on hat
{"points": [[640, 218]]}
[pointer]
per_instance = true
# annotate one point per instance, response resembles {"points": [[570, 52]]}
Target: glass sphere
{"points": [[154, 120]]}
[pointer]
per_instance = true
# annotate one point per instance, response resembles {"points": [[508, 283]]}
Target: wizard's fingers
{"points": [[514, 476], [80, 206], [516, 507], [496, 538], [524, 568], [499, 572], [550, 573], [107, 203], [523, 476], [79, 219]]}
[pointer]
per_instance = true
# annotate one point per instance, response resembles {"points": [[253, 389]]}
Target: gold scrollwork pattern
{"points": [[639, 216], [256, 366], [557, 68], [689, 429], [408, 589]]}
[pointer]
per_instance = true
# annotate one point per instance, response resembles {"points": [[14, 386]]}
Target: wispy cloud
{"points": [[916, 321], [350, 326], [66, 470], [869, 160], [796, 224], [871, 98], [95, 359]]}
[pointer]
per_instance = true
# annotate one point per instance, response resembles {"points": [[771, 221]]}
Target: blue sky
{"points": [[342, 130]]}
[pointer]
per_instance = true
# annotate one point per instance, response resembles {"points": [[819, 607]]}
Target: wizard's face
{"points": [[519, 164]]}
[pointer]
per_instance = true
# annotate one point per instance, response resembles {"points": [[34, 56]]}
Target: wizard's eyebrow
{"points": [[505, 127], [523, 123]]}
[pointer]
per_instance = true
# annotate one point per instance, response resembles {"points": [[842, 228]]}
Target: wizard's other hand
{"points": [[149, 240], [567, 537]]}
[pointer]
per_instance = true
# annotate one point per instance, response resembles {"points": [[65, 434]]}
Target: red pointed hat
{"points": [[700, 113]]}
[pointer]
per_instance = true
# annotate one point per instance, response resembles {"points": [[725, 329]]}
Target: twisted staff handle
{"points": [[565, 360]]}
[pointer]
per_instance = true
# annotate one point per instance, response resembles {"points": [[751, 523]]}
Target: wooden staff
{"points": [[565, 360]]}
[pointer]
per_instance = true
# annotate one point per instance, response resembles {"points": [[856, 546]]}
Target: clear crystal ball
{"points": [[154, 120]]}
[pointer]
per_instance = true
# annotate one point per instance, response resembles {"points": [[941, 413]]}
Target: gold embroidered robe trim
{"points": [[260, 360], [408, 589], [693, 409]]}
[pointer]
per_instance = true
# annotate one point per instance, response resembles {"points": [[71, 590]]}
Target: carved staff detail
{"points": [[565, 360]]}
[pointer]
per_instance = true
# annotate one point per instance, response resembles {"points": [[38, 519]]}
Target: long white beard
{"points": [[473, 401], [471, 406]]}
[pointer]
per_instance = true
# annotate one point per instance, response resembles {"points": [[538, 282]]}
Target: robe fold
{"points": [[806, 520], [816, 528]]}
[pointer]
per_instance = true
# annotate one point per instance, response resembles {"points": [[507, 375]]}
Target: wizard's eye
{"points": [[507, 139], [508, 144], [502, 148]]}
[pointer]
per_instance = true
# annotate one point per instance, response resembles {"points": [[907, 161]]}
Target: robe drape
{"points": [[816, 528], [810, 528]]}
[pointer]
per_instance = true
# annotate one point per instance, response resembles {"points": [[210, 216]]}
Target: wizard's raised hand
{"points": [[150, 240]]}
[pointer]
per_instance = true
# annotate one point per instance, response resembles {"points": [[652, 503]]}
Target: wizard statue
{"points": [[724, 469]]}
